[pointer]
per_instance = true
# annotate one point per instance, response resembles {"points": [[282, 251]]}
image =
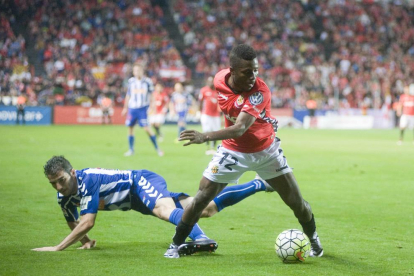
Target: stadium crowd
{"points": [[340, 53], [359, 52], [14, 78]]}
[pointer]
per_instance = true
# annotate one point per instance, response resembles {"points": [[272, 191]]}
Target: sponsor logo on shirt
{"points": [[84, 202], [239, 102], [214, 169], [256, 98], [231, 119]]}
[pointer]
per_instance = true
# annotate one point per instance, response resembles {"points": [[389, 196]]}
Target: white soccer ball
{"points": [[292, 246]]}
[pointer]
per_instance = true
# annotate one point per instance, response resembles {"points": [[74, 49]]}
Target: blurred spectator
{"points": [[345, 53], [21, 104]]}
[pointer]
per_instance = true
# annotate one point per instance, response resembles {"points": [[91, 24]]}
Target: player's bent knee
{"points": [[163, 208], [210, 210]]}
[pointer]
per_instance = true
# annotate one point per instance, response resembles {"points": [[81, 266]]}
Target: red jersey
{"points": [[407, 102], [210, 102], [160, 102], [256, 102], [106, 102]]}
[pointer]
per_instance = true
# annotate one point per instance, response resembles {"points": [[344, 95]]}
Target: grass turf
{"points": [[359, 183]]}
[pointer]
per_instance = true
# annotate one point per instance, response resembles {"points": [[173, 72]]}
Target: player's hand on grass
{"points": [[48, 248], [88, 245], [194, 137]]}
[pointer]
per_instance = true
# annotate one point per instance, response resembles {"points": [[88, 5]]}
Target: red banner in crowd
{"points": [[74, 115], [277, 112]]}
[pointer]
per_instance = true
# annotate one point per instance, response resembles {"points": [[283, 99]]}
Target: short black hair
{"points": [[241, 51], [57, 164]]}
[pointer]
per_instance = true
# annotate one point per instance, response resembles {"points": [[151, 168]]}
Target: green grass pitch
{"points": [[360, 185]]}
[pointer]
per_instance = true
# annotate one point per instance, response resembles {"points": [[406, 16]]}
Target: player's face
{"points": [[245, 74], [138, 71], [158, 88], [63, 182], [209, 82], [178, 87]]}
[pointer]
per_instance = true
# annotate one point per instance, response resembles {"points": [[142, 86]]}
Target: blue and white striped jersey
{"points": [[98, 189], [139, 92], [181, 101]]}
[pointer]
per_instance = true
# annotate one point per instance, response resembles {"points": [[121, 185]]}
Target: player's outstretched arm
{"points": [[86, 223], [125, 109], [87, 243], [243, 122]]}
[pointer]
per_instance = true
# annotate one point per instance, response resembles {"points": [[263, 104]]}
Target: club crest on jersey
{"points": [[239, 102], [256, 98], [214, 169]]}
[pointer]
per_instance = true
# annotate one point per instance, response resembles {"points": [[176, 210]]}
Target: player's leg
{"points": [[207, 191], [149, 195], [130, 123], [151, 189], [401, 136], [143, 122], [214, 180], [205, 128], [229, 196], [273, 167], [156, 127], [182, 123], [403, 126], [166, 209], [288, 189], [131, 141], [411, 125], [232, 195]]}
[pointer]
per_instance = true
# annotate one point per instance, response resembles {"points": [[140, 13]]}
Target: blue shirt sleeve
{"points": [[69, 207], [89, 192], [129, 87]]}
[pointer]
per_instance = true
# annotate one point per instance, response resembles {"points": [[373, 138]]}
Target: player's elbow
{"points": [[239, 130], [89, 224]]}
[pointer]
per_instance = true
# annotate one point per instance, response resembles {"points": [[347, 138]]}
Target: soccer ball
{"points": [[292, 246]]}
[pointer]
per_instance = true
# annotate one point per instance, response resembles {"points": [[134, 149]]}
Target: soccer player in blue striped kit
{"points": [[94, 189], [136, 104]]}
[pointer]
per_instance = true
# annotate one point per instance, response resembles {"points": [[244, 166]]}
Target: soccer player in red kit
{"points": [[210, 112], [249, 144], [406, 111], [158, 108]]}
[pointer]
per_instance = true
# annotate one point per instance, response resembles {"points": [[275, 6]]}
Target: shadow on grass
{"points": [[353, 266]]}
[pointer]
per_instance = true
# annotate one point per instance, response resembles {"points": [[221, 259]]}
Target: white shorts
{"points": [[407, 121], [157, 119], [210, 123], [227, 166]]}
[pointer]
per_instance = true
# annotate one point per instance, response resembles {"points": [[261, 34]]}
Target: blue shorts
{"points": [[182, 116], [147, 188], [137, 114]]}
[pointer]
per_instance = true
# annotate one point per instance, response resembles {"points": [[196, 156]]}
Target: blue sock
{"points": [[234, 194], [196, 233], [180, 129], [131, 139], [154, 141]]}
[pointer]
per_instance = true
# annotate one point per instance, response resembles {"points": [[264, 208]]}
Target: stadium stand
{"points": [[340, 53]]}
